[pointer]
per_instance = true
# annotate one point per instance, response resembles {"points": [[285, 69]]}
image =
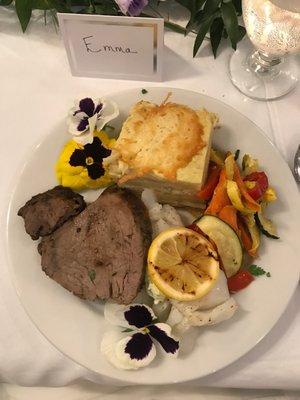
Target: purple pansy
{"points": [[132, 7], [90, 114], [87, 109], [90, 157], [134, 346]]}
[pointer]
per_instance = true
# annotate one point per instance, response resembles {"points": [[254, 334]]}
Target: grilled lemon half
{"points": [[182, 264]]}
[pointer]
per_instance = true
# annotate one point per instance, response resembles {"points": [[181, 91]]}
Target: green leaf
{"points": [[5, 2], [59, 6], [211, 6], [238, 6], [189, 4], [242, 32], [23, 9], [195, 18], [203, 29], [40, 5], [216, 31], [231, 22], [255, 270], [194, 21]]}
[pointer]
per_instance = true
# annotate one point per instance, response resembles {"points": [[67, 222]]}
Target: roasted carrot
{"points": [[229, 215], [220, 198]]}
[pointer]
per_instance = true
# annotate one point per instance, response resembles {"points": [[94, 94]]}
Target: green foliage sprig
{"points": [[216, 18]]}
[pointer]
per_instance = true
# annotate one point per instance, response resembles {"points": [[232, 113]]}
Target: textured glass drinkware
{"points": [[268, 71]]}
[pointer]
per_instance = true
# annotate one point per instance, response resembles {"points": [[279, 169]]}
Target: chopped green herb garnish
{"points": [[255, 270], [144, 91], [92, 275], [268, 274], [237, 154]]}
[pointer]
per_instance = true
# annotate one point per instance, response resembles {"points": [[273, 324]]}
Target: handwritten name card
{"points": [[113, 47]]}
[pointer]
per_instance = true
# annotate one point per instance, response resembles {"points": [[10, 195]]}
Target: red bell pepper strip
{"points": [[212, 180], [261, 184]]}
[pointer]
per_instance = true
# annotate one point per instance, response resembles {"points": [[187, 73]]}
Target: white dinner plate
{"points": [[76, 327]]}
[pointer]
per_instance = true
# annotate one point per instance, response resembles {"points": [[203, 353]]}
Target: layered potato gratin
{"points": [[164, 148]]}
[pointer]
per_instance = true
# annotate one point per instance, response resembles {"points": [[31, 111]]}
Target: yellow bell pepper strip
{"points": [[235, 197], [220, 198], [269, 195], [249, 164], [216, 157], [229, 166], [254, 232], [249, 202]]}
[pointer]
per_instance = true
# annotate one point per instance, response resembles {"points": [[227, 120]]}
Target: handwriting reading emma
{"points": [[92, 47]]}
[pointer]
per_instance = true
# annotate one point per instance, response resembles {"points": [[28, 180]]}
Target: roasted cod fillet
{"points": [[164, 148]]}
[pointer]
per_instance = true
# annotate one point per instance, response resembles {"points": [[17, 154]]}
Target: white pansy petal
{"points": [[110, 111], [73, 128], [162, 334], [92, 123], [136, 351], [79, 115], [85, 138], [132, 316], [108, 349]]}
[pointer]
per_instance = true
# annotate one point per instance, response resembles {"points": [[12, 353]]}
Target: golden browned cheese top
{"points": [[159, 139]]}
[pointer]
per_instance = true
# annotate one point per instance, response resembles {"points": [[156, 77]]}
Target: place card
{"points": [[113, 47]]}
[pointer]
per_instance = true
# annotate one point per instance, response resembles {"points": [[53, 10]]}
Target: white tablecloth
{"points": [[35, 83]]}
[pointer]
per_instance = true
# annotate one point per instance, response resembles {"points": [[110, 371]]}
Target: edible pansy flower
{"points": [[132, 346], [132, 7], [90, 114], [81, 166]]}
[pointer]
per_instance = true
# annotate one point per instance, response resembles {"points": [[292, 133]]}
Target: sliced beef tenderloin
{"points": [[101, 253], [47, 211]]}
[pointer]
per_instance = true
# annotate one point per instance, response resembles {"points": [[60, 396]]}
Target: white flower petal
{"points": [[108, 349], [78, 116], [92, 123], [114, 313], [109, 112], [125, 358], [85, 138], [163, 335], [113, 346], [72, 128]]}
